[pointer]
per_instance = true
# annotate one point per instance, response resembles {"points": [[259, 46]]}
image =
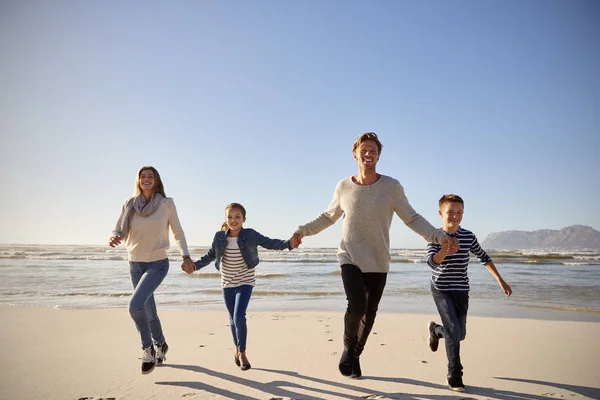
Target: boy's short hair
{"points": [[451, 198], [367, 136]]}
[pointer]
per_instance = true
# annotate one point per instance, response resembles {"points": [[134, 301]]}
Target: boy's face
{"points": [[452, 214]]}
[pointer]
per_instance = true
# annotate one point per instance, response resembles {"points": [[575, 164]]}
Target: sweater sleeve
{"points": [[325, 219], [117, 230], [414, 220], [177, 229]]}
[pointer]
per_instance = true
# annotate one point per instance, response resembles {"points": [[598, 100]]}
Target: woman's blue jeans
{"points": [[146, 277], [236, 301], [452, 307]]}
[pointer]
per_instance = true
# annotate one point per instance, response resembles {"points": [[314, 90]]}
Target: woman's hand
{"points": [[114, 241], [188, 266]]}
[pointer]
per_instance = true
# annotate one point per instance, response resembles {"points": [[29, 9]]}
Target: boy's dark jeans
{"points": [[452, 307], [363, 292]]}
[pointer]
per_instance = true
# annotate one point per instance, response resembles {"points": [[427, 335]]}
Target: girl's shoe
{"points": [[236, 359], [148, 360], [245, 364]]}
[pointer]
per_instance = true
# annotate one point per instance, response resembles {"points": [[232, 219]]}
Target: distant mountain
{"points": [[571, 237]]}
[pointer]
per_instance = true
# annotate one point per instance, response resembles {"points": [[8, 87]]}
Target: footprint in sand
{"points": [[97, 398]]}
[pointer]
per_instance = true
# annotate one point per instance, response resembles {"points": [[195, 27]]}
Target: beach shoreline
{"points": [[60, 354]]}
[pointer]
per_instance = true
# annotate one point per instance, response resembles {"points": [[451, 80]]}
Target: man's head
{"points": [[367, 149], [451, 210]]}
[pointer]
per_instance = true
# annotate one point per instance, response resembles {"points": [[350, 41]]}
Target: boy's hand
{"points": [[450, 245], [506, 287], [453, 245]]}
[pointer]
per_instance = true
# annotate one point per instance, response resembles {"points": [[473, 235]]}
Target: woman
{"points": [[144, 226]]}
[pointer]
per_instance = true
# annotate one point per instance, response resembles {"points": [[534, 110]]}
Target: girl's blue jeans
{"points": [[146, 277], [236, 301]]}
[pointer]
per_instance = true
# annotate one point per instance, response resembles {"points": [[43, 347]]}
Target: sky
{"points": [[259, 102]]}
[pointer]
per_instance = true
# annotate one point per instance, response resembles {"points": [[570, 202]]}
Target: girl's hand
{"points": [[114, 241]]}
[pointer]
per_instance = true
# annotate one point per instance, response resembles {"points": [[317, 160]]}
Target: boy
{"points": [[450, 285]]}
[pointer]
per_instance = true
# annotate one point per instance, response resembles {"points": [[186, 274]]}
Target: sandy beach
{"points": [[94, 354]]}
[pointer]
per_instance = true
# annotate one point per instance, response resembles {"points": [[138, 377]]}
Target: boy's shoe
{"points": [[434, 341], [456, 384], [148, 360], [161, 352], [356, 371]]}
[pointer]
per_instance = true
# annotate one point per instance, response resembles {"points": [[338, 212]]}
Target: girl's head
{"points": [[235, 216], [148, 182]]}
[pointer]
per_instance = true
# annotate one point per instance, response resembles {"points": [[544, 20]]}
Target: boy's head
{"points": [[451, 210]]}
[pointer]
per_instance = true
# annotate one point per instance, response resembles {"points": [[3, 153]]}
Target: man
{"points": [[368, 202]]}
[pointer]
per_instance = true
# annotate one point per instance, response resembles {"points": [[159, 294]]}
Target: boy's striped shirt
{"points": [[234, 271], [451, 274]]}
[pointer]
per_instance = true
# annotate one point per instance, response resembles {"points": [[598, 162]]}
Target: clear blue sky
{"points": [[259, 102]]}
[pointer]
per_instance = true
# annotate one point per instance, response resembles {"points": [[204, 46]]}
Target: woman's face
{"points": [[147, 180]]}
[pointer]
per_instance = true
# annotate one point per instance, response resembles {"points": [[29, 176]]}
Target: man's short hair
{"points": [[367, 136]]}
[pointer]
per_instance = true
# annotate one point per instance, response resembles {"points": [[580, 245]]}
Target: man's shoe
{"points": [[148, 360], [161, 352], [456, 384], [346, 362], [434, 341], [356, 371]]}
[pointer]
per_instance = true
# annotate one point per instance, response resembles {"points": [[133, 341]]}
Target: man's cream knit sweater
{"points": [[368, 212]]}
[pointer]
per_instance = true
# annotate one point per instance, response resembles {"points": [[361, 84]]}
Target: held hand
{"points": [[506, 288], [297, 239], [188, 266], [453, 245], [295, 242], [114, 241]]}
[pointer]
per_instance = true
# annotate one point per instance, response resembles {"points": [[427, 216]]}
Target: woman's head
{"points": [[148, 180], [235, 216]]}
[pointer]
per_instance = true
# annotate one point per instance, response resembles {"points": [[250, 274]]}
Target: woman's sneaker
{"points": [[456, 384], [161, 352], [148, 360]]}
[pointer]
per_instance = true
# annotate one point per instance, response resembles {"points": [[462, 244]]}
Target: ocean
{"points": [[559, 285]]}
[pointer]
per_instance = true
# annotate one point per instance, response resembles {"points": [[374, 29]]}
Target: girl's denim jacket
{"points": [[248, 240]]}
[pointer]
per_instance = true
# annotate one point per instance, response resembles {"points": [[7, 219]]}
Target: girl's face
{"points": [[147, 180], [235, 219]]}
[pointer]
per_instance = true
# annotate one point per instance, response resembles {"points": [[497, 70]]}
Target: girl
{"points": [[144, 225], [235, 250]]}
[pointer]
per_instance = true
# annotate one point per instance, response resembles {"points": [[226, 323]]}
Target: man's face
{"points": [[367, 155]]}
